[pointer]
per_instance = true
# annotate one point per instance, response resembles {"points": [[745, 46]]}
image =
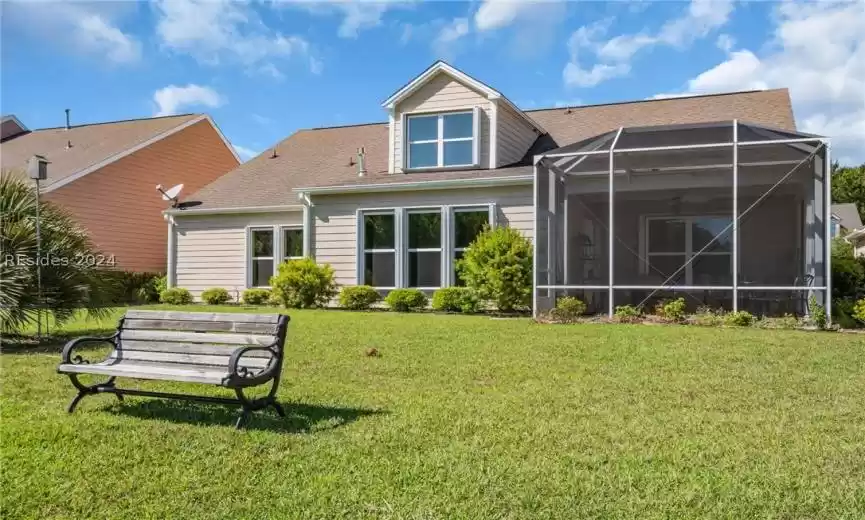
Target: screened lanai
{"points": [[728, 215]]}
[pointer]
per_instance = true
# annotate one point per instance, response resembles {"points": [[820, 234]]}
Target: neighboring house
{"points": [[845, 218], [857, 238], [456, 155], [105, 174]]}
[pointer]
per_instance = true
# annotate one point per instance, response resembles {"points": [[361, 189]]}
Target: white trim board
{"points": [[420, 185], [175, 212], [144, 144]]}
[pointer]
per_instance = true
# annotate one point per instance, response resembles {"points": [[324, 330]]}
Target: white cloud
{"points": [[725, 42], [449, 36], [817, 50], [84, 28], [245, 153], [533, 22], [611, 58], [216, 31], [169, 100], [357, 15], [495, 14]]}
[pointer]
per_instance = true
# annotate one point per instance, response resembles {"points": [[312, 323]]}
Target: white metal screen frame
{"points": [[734, 145]]}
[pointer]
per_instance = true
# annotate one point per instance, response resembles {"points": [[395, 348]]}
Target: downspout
{"points": [[307, 223]]}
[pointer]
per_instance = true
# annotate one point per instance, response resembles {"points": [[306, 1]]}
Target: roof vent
{"points": [[68, 144], [361, 161], [67, 119], [273, 154]]}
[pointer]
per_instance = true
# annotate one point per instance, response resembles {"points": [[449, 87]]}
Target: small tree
{"points": [[498, 266], [303, 283]]}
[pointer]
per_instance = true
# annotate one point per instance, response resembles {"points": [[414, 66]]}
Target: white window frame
{"points": [[452, 247], [362, 250], [250, 250], [282, 230], [441, 250], [689, 251], [441, 140]]}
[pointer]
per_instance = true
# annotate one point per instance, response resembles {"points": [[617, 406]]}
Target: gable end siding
{"points": [[118, 204], [442, 94], [515, 136]]}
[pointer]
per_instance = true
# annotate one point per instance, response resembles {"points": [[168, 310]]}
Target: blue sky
{"points": [[265, 69]]}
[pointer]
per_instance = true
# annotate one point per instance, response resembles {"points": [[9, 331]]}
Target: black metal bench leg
{"points": [[241, 421], [75, 401], [89, 390], [278, 407]]}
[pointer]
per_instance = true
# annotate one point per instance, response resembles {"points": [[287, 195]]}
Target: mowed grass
{"points": [[463, 417]]}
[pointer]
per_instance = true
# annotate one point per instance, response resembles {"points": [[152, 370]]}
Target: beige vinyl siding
{"points": [[442, 94], [515, 136], [335, 223], [211, 249]]}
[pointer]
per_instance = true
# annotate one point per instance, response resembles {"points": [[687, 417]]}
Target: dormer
{"points": [[445, 120]]}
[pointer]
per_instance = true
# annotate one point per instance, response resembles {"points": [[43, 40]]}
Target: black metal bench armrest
{"points": [[246, 377], [67, 356]]}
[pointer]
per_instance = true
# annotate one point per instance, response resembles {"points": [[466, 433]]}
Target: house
{"points": [[105, 174], [455, 155], [857, 238], [845, 219]]}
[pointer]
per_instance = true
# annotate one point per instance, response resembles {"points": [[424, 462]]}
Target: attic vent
{"points": [[361, 162]]}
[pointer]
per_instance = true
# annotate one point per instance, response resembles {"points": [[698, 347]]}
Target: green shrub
{"points": [[848, 272], [456, 299], [707, 317], [303, 283], [406, 300], [817, 313], [215, 296], [627, 314], [358, 298], [859, 311], [256, 296], [175, 296], [498, 266], [671, 310], [568, 309], [787, 321], [739, 319]]}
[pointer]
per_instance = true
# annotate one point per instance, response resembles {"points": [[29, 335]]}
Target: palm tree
{"points": [[70, 281]]}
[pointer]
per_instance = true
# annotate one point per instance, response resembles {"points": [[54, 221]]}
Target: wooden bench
{"points": [[230, 350]]}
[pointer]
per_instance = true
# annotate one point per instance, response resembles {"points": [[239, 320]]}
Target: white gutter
{"points": [[513, 180], [227, 211]]}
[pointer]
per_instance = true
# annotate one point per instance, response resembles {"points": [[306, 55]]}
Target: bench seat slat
{"points": [[187, 348], [143, 370], [200, 326], [188, 359], [203, 316], [196, 337]]}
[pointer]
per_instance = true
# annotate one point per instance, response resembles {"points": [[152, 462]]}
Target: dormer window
{"points": [[447, 140]]}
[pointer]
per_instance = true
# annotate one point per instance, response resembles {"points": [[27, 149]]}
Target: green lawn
{"points": [[463, 417]]}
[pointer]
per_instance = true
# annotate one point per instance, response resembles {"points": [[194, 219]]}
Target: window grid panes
{"points": [[379, 252], [468, 223], [292, 243], [424, 251], [441, 140], [261, 257], [671, 242]]}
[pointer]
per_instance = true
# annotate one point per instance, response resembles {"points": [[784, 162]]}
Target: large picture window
{"points": [[379, 249], [673, 241], [441, 140], [261, 256], [424, 252], [468, 223]]}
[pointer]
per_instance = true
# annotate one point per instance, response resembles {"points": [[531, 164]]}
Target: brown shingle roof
{"points": [[91, 144], [321, 157]]}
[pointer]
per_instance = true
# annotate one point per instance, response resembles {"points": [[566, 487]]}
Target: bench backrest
{"points": [[199, 338]]}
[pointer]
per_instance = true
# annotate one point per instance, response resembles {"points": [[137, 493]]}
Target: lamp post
{"points": [[37, 169]]}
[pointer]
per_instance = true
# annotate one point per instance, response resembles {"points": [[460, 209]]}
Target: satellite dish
{"points": [[170, 194]]}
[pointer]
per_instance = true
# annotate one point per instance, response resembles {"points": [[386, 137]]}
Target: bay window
{"points": [[442, 140], [673, 241]]}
